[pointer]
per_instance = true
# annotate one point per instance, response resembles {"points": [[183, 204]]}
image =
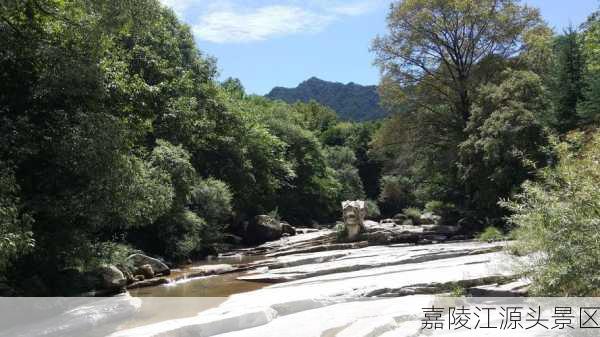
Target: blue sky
{"points": [[281, 43]]}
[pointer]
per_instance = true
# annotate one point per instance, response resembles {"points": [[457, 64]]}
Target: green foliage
{"points": [[447, 211], [440, 45], [567, 80], [16, 237], [396, 193], [412, 213], [342, 160], [373, 211], [589, 107], [558, 216], [490, 234], [505, 139], [175, 161], [211, 199], [341, 232], [435, 206], [350, 101], [181, 235], [316, 117]]}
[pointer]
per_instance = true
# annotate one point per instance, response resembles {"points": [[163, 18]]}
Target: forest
{"points": [[117, 136]]}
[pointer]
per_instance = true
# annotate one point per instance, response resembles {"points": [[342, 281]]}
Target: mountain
{"points": [[351, 101]]}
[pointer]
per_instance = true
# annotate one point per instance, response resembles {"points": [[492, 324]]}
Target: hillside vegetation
{"points": [[352, 102]]}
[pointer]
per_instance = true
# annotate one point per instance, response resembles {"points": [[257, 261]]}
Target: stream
{"points": [[189, 296], [206, 286]]}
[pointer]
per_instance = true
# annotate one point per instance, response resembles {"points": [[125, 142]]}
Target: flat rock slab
{"points": [[328, 300], [301, 266], [512, 289]]}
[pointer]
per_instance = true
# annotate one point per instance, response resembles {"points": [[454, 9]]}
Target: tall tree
{"points": [[439, 43], [567, 81]]}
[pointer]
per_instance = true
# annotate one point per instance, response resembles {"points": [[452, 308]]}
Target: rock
{"points": [[321, 248], [305, 230], [66, 317], [209, 269], [145, 270], [407, 222], [512, 289], [429, 218], [110, 278], [354, 216], [138, 278], [358, 256], [388, 221], [264, 228], [440, 229], [326, 297], [400, 217], [370, 223], [138, 260], [286, 228], [148, 283], [232, 239]]}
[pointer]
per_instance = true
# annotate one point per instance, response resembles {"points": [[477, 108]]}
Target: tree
{"points": [[567, 80], [505, 140], [439, 44], [343, 161], [589, 107], [557, 216]]}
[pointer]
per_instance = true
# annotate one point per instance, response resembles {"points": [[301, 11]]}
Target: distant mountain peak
{"points": [[351, 101]]}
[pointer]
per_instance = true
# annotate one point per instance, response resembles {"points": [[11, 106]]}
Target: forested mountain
{"points": [[351, 101]]}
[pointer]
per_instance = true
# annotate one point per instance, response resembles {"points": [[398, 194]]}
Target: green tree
{"points": [[589, 107], [343, 161], [557, 216], [567, 80], [505, 139], [439, 44]]}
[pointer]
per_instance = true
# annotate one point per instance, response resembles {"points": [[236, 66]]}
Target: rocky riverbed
{"points": [[342, 289]]}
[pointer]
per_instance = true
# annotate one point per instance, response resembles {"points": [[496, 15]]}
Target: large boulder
{"points": [[138, 260], [145, 270], [354, 213], [110, 279], [264, 228], [429, 218]]}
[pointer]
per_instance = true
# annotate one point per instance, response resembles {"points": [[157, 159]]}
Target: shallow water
{"points": [[188, 297], [206, 286]]}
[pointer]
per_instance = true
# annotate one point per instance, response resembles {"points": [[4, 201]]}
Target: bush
{"points": [[559, 216], [490, 234], [447, 211], [412, 213], [181, 234], [211, 200], [395, 193], [340, 232], [373, 211]]}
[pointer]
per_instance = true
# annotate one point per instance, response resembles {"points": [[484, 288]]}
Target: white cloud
{"points": [[246, 25], [177, 5], [356, 8], [234, 21]]}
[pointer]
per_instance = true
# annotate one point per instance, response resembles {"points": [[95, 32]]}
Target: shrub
{"points": [[447, 211], [211, 200], [559, 216], [395, 193], [340, 232], [373, 211], [490, 234], [412, 213], [182, 235]]}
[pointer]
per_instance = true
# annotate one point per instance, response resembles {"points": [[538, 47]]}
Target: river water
{"points": [[189, 296]]}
